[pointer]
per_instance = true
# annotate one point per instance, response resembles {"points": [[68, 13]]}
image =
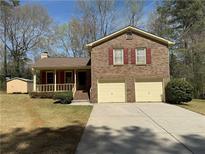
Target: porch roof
{"points": [[69, 62]]}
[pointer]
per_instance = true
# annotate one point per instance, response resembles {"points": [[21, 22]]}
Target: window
{"points": [[68, 77], [50, 77], [140, 56], [118, 56]]}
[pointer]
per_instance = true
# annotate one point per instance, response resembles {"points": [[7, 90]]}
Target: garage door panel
{"points": [[148, 91], [111, 92]]}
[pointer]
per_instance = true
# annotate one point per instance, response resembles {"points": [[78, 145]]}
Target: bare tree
{"points": [[1, 55], [62, 38], [99, 15], [5, 9], [26, 26], [97, 20], [78, 36], [48, 42], [158, 25], [106, 16], [89, 17], [134, 11]]}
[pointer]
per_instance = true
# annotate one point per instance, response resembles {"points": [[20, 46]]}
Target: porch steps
{"points": [[81, 95]]}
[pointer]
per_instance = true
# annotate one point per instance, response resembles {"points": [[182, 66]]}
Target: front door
{"points": [[81, 81]]}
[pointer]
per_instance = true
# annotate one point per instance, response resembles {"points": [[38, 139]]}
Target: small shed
{"points": [[19, 85]]}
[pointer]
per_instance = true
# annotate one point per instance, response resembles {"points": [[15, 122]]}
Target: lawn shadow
{"points": [[129, 140], [42, 140]]}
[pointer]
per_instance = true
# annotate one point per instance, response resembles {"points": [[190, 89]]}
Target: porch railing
{"points": [[51, 87]]}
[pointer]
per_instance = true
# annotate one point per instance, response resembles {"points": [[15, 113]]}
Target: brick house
{"points": [[129, 65]]}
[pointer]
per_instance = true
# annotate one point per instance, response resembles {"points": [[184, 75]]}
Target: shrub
{"points": [[64, 98], [178, 91], [41, 94]]}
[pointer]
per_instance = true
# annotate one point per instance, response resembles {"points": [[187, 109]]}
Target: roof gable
{"points": [[133, 29]]}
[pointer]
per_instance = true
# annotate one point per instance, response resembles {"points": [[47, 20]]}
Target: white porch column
{"points": [[34, 80], [55, 80], [75, 78]]}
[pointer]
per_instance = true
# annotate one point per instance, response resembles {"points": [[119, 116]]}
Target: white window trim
{"points": [[136, 61], [47, 77], [65, 75], [114, 56]]}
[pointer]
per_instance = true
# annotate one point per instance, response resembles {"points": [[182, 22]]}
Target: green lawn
{"points": [[196, 105], [40, 126]]}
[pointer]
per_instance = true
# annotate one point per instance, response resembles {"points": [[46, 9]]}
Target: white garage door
{"points": [[111, 92], [148, 91]]}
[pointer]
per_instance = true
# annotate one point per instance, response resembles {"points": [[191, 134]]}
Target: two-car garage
{"points": [[144, 91]]}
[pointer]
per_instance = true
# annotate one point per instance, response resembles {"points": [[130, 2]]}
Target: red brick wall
{"points": [[101, 69]]}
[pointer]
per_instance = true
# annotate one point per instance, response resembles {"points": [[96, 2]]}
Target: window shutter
{"points": [[110, 56], [125, 56], [148, 55], [133, 56]]}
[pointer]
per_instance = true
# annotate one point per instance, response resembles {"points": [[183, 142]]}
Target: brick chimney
{"points": [[44, 55]]}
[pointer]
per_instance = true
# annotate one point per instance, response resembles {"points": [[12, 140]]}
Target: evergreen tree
{"points": [[184, 22]]}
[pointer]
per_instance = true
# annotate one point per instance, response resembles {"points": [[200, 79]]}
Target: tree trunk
{"points": [[16, 66], [5, 49]]}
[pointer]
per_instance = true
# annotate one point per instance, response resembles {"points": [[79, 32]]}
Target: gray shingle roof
{"points": [[68, 62]]}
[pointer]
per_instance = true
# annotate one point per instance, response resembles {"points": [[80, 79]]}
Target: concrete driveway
{"points": [[143, 129]]}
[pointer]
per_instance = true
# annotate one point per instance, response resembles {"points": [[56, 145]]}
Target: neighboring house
{"points": [[19, 85], [129, 65]]}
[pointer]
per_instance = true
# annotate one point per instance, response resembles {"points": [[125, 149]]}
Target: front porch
{"points": [[61, 80]]}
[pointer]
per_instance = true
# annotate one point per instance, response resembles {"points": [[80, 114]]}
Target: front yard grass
{"points": [[40, 126], [196, 105]]}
